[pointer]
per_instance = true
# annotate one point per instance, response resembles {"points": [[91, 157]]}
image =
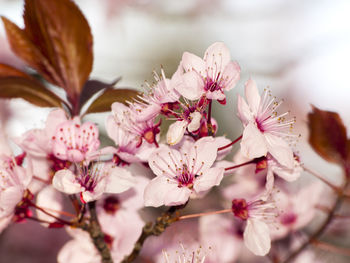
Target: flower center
{"points": [[240, 208], [185, 178]]}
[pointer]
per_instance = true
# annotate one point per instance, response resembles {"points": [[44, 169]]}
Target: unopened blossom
{"points": [[210, 76], [264, 130], [74, 141], [126, 118], [181, 174], [92, 182], [257, 214]]}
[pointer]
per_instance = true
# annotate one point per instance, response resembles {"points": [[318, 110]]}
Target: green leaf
{"points": [[105, 100], [328, 135], [29, 90]]}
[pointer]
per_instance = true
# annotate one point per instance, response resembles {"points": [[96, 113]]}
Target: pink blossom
{"points": [[92, 182], [159, 98], [257, 214], [126, 118], [14, 180], [297, 209], [264, 130], [129, 150], [178, 174], [210, 76], [223, 236], [73, 141]]}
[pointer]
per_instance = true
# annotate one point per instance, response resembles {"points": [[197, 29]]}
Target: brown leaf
{"points": [[9, 71], [22, 46], [91, 87], [56, 41], [29, 90], [103, 103], [64, 37], [328, 135]]}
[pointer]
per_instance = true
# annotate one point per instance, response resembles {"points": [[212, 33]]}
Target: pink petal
{"points": [[49, 199], [35, 142], [252, 95], [215, 95], [75, 156], [176, 195], [164, 161], [280, 150], [220, 142], [253, 143], [208, 179], [202, 155], [191, 62], [119, 179], [157, 190], [231, 75], [192, 86], [216, 57], [244, 113], [54, 118], [64, 181], [175, 132], [257, 237], [9, 198], [149, 112]]}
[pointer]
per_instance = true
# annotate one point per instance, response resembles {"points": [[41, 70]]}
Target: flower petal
{"points": [[244, 113], [257, 237], [253, 143], [280, 150], [208, 179], [216, 57], [252, 95], [231, 75], [49, 198], [191, 62], [195, 122], [119, 179], [191, 86], [64, 181], [165, 161], [157, 190]]}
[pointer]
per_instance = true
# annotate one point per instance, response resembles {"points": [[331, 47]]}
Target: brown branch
{"points": [[97, 235], [153, 229], [331, 248]]}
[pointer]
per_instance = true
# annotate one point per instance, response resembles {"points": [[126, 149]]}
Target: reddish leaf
{"points": [[63, 35], [103, 103], [56, 41], [29, 90], [91, 87], [9, 71], [22, 46], [328, 135]]}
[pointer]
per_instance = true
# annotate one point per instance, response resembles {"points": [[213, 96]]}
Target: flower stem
{"points": [[239, 165], [230, 144], [205, 214], [331, 248]]}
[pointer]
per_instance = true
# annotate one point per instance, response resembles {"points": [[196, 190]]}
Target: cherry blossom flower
{"points": [[178, 174], [183, 256], [14, 180], [159, 98], [129, 150], [264, 130], [126, 118], [92, 182], [73, 141], [257, 214], [224, 237], [210, 76], [296, 209]]}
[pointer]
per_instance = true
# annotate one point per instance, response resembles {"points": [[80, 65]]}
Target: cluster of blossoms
{"points": [[145, 168]]}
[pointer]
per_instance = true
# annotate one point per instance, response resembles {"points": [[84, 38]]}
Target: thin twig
{"points": [[331, 248]]}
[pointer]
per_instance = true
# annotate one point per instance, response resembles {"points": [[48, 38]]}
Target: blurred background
{"points": [[299, 48]]}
